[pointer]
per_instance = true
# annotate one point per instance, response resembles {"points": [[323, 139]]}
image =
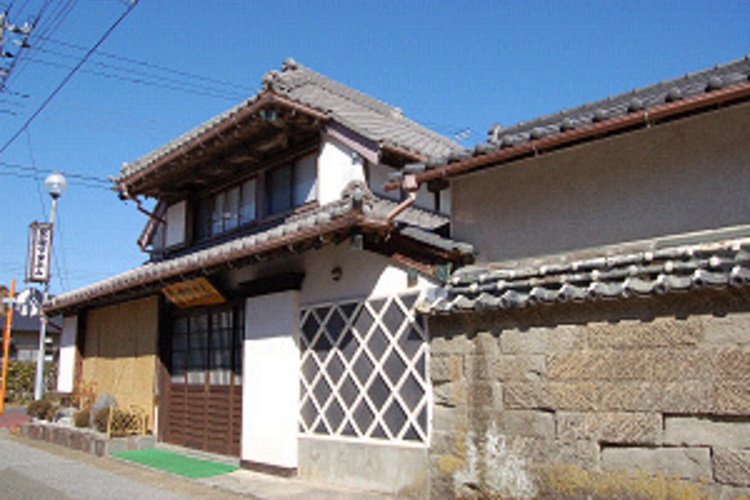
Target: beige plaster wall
{"points": [[120, 351], [685, 176], [630, 399]]}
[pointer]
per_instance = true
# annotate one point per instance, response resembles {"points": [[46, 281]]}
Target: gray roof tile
{"points": [[361, 113], [413, 222], [693, 84], [720, 264]]}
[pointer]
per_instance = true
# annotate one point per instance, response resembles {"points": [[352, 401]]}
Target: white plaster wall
{"points": [[363, 274], [379, 178], [176, 217], [687, 176], [67, 363], [337, 167], [270, 398]]}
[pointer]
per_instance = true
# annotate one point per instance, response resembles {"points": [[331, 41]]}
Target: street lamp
{"points": [[55, 184]]}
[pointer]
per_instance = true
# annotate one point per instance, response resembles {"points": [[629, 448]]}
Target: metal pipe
{"points": [[645, 118], [409, 185], [39, 378]]}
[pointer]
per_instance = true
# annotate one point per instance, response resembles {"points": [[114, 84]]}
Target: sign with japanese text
{"points": [[39, 252], [191, 293]]}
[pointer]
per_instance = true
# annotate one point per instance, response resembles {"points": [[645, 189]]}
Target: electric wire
{"points": [[178, 78], [157, 67], [182, 87], [56, 19], [70, 75]]}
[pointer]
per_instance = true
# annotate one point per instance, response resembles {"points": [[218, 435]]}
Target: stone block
{"points": [[486, 344], [576, 396], [599, 365], [661, 332], [732, 398], [519, 367], [459, 344], [620, 428], [446, 368], [567, 338], [530, 423], [61, 436], [526, 395], [681, 364], [116, 446], [447, 419], [732, 466], [686, 463], [668, 397], [733, 365], [478, 367], [538, 451], [531, 341], [451, 394], [695, 431], [581, 396], [484, 394], [730, 330]]}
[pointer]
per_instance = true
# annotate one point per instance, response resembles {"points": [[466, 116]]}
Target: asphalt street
{"points": [[41, 471]]}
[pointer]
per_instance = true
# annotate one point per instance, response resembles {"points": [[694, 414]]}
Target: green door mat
{"points": [[175, 463]]}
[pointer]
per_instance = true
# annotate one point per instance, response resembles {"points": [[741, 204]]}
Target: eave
{"points": [[622, 124], [241, 139]]}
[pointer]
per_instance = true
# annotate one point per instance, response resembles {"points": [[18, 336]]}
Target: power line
{"points": [[35, 170], [158, 67], [179, 86], [69, 76], [57, 17]]}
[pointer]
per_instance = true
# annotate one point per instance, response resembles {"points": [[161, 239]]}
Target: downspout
{"points": [[154, 217], [409, 184]]}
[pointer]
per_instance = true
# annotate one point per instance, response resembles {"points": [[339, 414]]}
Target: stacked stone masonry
{"points": [[640, 389]]}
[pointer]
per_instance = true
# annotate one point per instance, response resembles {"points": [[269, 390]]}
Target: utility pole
{"points": [[6, 341], [17, 35]]}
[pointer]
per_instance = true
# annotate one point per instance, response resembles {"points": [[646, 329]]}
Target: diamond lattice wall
{"points": [[364, 366]]}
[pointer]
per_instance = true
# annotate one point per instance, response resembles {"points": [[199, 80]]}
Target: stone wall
{"points": [[645, 397]]}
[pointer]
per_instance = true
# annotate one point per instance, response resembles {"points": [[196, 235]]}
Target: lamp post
{"points": [[55, 184]]}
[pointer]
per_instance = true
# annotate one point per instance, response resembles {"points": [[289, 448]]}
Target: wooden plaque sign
{"points": [[191, 293]]}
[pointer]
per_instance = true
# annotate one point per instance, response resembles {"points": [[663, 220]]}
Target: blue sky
{"points": [[172, 64]]}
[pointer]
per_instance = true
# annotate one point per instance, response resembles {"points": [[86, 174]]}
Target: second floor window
{"points": [[284, 188], [226, 210]]}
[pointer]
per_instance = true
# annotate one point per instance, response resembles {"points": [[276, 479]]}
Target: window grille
{"points": [[207, 347], [364, 372]]}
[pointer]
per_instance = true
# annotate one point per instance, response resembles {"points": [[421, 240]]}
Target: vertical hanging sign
{"points": [[38, 257]]}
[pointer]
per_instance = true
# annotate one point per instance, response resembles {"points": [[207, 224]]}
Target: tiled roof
{"points": [[365, 115], [555, 129], [616, 276], [358, 205], [373, 119]]}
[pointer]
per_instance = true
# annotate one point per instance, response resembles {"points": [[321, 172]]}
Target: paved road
{"points": [[43, 471], [37, 470]]}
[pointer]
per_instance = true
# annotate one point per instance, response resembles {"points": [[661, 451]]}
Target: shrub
{"points": [[81, 418], [101, 419], [21, 376], [39, 409], [50, 415]]}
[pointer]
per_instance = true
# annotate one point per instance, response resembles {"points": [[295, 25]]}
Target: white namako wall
{"points": [[66, 366], [271, 390]]}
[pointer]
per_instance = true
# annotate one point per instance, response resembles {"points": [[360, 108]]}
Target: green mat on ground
{"points": [[176, 463]]}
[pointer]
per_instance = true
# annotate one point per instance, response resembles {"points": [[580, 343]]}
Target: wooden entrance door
{"points": [[203, 407]]}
